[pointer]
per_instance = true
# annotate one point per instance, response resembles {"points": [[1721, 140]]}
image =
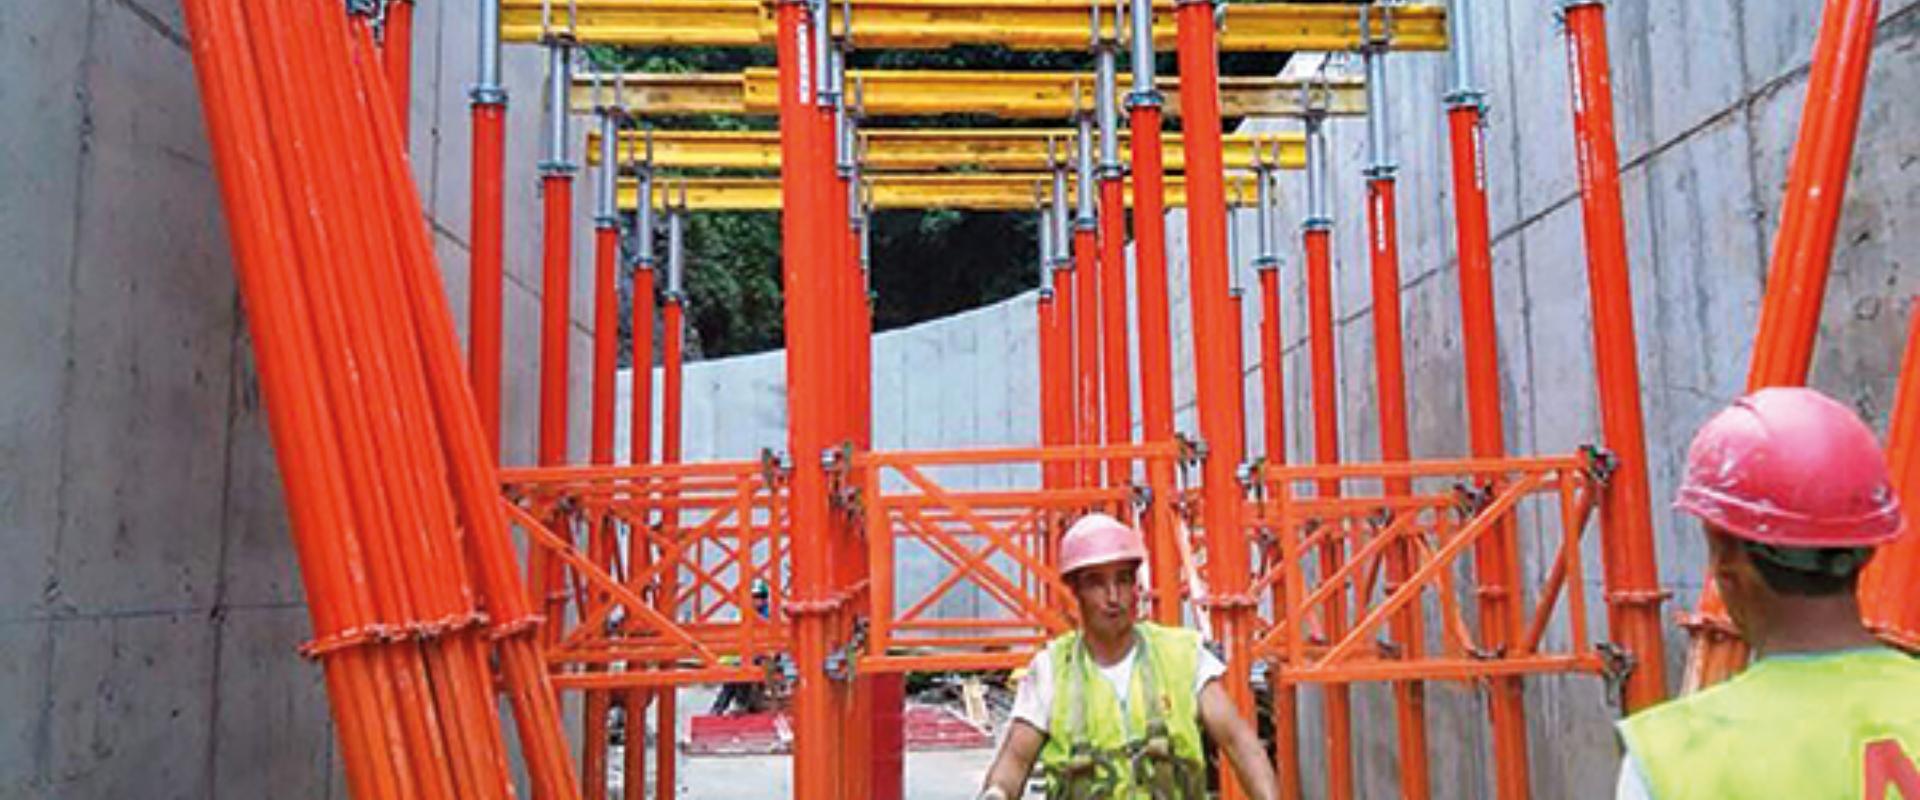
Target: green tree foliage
{"points": [[925, 264]]}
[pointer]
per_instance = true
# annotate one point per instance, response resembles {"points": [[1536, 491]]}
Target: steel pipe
{"points": [[1632, 578]]}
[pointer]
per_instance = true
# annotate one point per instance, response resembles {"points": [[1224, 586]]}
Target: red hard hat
{"points": [[1097, 539], [1791, 467]]}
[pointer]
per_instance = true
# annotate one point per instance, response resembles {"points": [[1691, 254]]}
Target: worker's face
{"points": [[1109, 595]]}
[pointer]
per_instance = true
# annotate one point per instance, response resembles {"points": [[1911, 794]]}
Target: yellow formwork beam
{"points": [[898, 93], [996, 192], [934, 24], [932, 149]]}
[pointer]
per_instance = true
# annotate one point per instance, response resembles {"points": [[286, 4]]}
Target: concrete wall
{"points": [[1708, 100], [149, 603]]}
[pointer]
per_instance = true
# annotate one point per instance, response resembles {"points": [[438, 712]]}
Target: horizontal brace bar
{"points": [[939, 24], [656, 677], [755, 91], [1447, 669], [943, 662]]}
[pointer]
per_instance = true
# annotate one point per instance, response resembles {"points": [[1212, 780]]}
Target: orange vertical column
{"points": [[1390, 376], [1887, 600], [1322, 346], [808, 330], [672, 400], [1632, 577], [1802, 255], [1086, 278], [640, 452], [1216, 372], [1144, 118], [396, 56], [1495, 560], [486, 282], [1113, 254], [1052, 431], [606, 345], [1273, 426], [857, 710], [556, 292], [1069, 294]]}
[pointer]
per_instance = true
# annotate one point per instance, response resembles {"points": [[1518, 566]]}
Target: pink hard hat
{"points": [[1097, 539], [1790, 467]]}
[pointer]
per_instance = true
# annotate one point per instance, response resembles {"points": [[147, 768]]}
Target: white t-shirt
{"points": [[1033, 703], [1633, 782]]}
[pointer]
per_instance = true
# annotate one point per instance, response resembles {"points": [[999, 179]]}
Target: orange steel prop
{"points": [[396, 52], [1216, 372], [389, 511], [803, 173], [1317, 242], [1063, 376], [280, 145], [640, 452], [486, 282], [672, 396], [1496, 560], [855, 709], [545, 576], [1802, 256], [1887, 600], [1087, 268], [1633, 582], [1112, 217], [1285, 711], [1390, 376], [1052, 398], [606, 323], [1144, 115]]}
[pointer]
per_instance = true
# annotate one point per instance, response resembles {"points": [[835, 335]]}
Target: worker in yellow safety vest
{"points": [[1115, 709], [1793, 492]]}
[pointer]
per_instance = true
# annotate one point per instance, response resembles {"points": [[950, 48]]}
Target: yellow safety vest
{"points": [[1154, 751], [1837, 725]]}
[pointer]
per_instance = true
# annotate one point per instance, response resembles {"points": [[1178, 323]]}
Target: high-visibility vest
{"points": [[1840, 725], [1153, 750]]}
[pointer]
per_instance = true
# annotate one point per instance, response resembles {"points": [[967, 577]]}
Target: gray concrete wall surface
{"points": [[1708, 98], [149, 602]]}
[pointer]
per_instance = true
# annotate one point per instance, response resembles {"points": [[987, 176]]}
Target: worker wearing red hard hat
{"points": [[1793, 493], [1116, 708]]}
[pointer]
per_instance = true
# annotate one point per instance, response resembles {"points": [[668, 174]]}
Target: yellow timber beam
{"points": [[903, 93], [1003, 192], [935, 24], [932, 149]]}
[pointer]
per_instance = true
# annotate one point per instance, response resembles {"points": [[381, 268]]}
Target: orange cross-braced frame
{"points": [[1437, 529]]}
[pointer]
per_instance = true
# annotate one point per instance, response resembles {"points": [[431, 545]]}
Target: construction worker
{"points": [[1793, 493], [748, 696], [1115, 709]]}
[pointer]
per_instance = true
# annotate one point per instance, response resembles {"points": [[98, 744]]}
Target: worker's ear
{"points": [[1727, 562]]}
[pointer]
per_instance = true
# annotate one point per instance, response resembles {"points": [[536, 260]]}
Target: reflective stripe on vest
{"points": [[1154, 750], [1843, 725]]}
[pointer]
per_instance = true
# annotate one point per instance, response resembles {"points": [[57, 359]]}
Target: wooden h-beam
{"points": [[939, 24], [923, 149], [963, 192]]}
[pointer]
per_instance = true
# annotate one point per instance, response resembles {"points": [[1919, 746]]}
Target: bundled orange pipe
{"points": [[388, 477], [1887, 599], [1802, 256]]}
